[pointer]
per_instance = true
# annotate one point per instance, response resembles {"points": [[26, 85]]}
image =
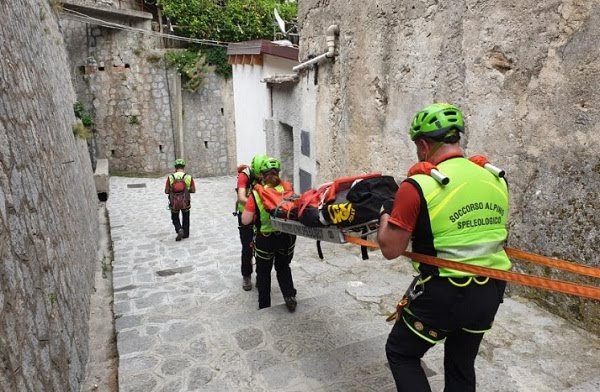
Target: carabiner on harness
{"points": [[416, 288]]}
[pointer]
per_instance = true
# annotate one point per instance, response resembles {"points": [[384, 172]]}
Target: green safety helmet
{"points": [[257, 163], [270, 164], [436, 120], [179, 162]]}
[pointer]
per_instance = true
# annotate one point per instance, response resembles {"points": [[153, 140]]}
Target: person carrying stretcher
{"points": [[464, 220], [246, 179], [271, 247]]}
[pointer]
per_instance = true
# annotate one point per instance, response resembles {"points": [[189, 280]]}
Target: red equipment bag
{"points": [[347, 201], [279, 204]]}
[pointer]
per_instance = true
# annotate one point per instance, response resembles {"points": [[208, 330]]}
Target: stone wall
{"points": [[140, 111], [205, 114], [124, 83], [524, 73], [48, 208]]}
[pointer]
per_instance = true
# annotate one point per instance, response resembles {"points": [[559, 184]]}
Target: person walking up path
{"points": [[179, 186], [246, 179]]}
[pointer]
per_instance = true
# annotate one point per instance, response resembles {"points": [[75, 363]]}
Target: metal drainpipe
{"points": [[332, 32]]}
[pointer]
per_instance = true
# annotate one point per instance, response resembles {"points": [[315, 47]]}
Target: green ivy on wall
{"points": [[192, 66], [82, 129], [82, 114]]}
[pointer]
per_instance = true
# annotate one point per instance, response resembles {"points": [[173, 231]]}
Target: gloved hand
{"points": [[386, 207]]}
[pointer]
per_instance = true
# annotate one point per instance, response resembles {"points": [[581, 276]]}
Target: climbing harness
{"points": [[416, 288]]}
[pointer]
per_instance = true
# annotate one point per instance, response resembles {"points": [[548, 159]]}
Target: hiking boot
{"points": [[291, 303], [247, 285], [179, 235]]}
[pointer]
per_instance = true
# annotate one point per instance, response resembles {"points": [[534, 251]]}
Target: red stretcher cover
{"points": [[346, 201]]}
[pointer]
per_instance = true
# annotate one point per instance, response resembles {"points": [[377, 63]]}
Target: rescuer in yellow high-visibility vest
{"points": [[464, 220], [247, 177], [179, 186], [271, 247]]}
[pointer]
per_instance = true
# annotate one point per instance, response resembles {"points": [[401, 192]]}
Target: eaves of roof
{"points": [[262, 47]]}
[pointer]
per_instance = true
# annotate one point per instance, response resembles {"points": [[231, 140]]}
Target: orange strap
{"points": [[560, 286], [556, 263], [361, 242]]}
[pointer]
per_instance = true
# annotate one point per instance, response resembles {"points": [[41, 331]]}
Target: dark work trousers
{"points": [[276, 248], [246, 236], [184, 223], [444, 306]]}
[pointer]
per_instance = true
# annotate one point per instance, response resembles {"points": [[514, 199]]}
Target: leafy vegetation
{"points": [[82, 114], [220, 20], [227, 20], [82, 127], [217, 57], [192, 66]]}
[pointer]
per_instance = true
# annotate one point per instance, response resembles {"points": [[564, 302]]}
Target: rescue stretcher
{"points": [[335, 234], [370, 191], [357, 234], [344, 210]]}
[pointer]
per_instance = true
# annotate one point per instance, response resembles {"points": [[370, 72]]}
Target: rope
{"points": [[560, 286]]}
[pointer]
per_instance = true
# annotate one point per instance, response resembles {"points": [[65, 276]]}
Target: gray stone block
{"points": [[101, 177]]}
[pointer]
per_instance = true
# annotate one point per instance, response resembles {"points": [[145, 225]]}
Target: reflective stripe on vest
{"points": [[265, 217], [240, 206], [179, 175], [468, 216]]}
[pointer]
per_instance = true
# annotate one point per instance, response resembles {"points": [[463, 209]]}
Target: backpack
{"points": [[363, 201], [278, 204], [179, 195], [346, 201]]}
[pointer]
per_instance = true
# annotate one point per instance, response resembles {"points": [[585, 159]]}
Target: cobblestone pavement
{"points": [[185, 324]]}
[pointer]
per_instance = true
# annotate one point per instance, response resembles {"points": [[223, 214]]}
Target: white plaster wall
{"points": [[252, 100], [252, 103], [308, 99], [274, 65]]}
